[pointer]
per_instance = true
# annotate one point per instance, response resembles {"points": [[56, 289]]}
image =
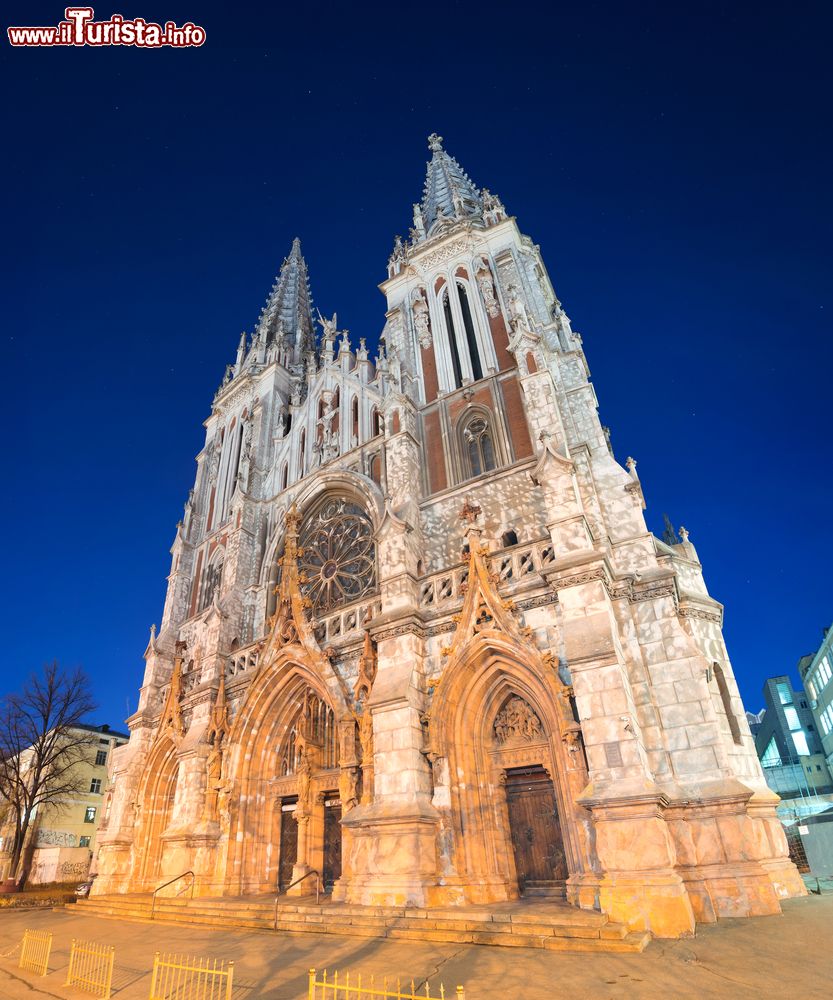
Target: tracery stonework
{"points": [[413, 599]]}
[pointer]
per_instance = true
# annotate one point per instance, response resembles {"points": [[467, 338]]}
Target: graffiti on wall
{"points": [[55, 838], [74, 869]]}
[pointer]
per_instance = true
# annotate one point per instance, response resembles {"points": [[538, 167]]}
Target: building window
{"points": [[471, 339], [339, 555], [792, 718], [452, 341], [509, 538], [771, 757], [800, 741], [211, 583], [95, 786], [84, 841], [784, 694], [823, 673], [89, 814], [100, 757], [726, 698], [478, 447]]}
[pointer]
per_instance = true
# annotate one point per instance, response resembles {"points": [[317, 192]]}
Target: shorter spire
{"points": [[288, 310]]}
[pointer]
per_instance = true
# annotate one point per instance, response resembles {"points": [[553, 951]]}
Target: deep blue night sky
{"points": [[674, 166]]}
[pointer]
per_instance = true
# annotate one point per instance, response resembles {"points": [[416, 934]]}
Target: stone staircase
{"points": [[548, 924]]}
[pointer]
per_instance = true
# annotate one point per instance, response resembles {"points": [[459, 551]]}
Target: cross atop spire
{"points": [[288, 310], [448, 194]]}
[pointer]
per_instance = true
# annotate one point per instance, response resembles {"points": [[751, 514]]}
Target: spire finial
{"points": [[435, 143]]}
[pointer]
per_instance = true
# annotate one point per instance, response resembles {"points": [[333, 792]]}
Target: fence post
{"points": [[461, 993], [71, 962], [312, 984]]}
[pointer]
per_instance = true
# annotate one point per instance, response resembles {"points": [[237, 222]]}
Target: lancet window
{"points": [[477, 445], [313, 728]]}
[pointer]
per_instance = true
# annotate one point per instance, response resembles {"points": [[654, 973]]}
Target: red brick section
{"points": [[516, 418], [501, 341], [397, 426], [461, 272], [481, 396], [429, 370], [434, 452], [530, 363], [196, 586]]}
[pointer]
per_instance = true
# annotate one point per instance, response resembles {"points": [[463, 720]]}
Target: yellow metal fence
{"points": [[336, 988], [34, 951], [178, 977], [91, 967]]}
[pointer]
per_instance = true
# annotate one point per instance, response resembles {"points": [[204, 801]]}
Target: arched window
{"points": [[339, 560], [452, 341], [314, 723], [509, 538], [471, 339], [354, 421], [726, 698], [336, 405], [376, 422], [477, 445], [302, 455], [211, 582], [285, 476]]}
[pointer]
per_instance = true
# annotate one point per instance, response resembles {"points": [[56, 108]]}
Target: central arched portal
{"points": [[504, 779], [521, 755]]}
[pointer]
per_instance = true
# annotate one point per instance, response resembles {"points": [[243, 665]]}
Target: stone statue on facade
{"points": [[487, 290]]}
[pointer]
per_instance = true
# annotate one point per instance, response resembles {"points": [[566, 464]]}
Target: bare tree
{"points": [[40, 748]]}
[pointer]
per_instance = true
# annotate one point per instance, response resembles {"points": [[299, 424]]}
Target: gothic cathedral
{"points": [[417, 636]]}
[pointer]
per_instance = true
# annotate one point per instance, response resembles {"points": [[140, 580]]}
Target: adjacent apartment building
{"points": [[63, 834], [816, 670], [788, 745]]}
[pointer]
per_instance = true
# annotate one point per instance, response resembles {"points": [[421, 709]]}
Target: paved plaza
{"points": [[735, 958]]}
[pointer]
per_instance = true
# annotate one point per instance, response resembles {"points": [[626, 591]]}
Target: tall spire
{"points": [[448, 190], [288, 310]]}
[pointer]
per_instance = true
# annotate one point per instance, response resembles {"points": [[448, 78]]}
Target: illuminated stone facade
{"points": [[418, 637]]}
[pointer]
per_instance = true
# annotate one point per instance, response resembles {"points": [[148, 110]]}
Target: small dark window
{"points": [[95, 786], [509, 538], [89, 814], [83, 841], [100, 757]]}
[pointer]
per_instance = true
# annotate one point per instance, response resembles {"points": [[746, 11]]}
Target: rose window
{"points": [[338, 555]]}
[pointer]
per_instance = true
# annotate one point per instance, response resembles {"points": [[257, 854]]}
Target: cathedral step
{"points": [[555, 927], [550, 890]]}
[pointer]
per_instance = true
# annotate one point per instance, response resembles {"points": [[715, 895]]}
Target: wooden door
{"points": [[289, 843], [534, 826], [332, 842]]}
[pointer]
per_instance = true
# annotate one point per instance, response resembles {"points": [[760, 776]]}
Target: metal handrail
{"points": [[297, 880], [171, 882]]}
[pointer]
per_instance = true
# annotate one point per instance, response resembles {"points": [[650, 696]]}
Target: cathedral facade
{"points": [[418, 640]]}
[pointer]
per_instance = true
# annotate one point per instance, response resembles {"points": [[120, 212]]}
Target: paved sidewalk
{"points": [[759, 957]]}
